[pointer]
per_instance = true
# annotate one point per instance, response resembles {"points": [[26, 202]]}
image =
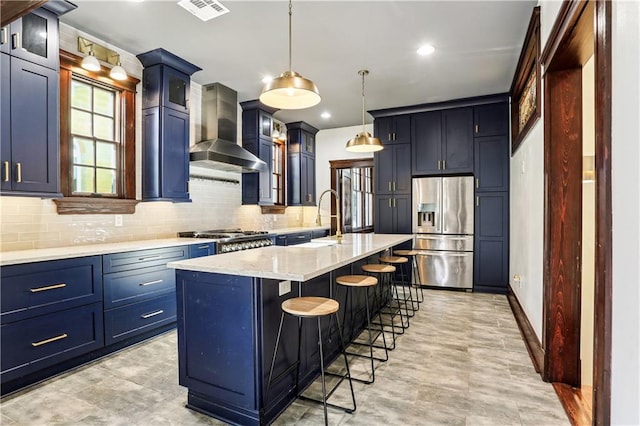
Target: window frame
{"points": [[70, 64]]}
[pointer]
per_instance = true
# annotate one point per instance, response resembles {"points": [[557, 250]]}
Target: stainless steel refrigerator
{"points": [[443, 224]]}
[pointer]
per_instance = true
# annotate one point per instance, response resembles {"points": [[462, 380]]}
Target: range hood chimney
{"points": [[218, 150]]}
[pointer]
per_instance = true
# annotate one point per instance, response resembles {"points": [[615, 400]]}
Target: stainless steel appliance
{"points": [[443, 224], [228, 240]]}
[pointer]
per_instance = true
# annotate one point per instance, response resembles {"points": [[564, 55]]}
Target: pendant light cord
{"points": [[363, 73], [290, 13]]}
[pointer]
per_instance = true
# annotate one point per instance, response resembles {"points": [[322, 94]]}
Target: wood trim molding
{"points": [[526, 85], [347, 164], [274, 209], [10, 10], [526, 329], [574, 404], [604, 281], [95, 205]]}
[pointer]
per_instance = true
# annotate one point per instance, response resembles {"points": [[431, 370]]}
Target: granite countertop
{"points": [[40, 255], [298, 263]]}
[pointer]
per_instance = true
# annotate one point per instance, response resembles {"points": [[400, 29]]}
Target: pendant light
{"points": [[364, 142], [291, 90]]}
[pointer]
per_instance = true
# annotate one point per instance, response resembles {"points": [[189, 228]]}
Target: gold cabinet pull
{"points": [[3, 35], [389, 202], [15, 40], [6, 171], [390, 137], [394, 202], [438, 164], [477, 201], [19, 167], [477, 182], [152, 314], [444, 164], [477, 128], [45, 341], [153, 282], [49, 287], [394, 185]]}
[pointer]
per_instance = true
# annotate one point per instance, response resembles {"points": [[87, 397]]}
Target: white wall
{"points": [[527, 211], [625, 157], [330, 145]]}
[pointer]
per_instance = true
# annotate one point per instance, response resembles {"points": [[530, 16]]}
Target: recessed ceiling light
{"points": [[425, 50], [325, 115], [266, 79]]}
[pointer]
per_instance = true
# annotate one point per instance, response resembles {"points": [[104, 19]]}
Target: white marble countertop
{"points": [[293, 230], [40, 255], [298, 263]]}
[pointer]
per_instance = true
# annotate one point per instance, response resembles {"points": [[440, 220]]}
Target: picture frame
{"points": [[526, 85]]}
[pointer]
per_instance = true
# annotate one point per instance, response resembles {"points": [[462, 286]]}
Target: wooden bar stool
{"points": [[314, 307], [413, 254], [363, 281], [386, 272], [402, 262]]}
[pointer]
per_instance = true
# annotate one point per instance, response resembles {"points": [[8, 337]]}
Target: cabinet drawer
{"points": [[43, 287], [40, 342], [126, 321], [126, 287], [118, 262], [200, 250]]}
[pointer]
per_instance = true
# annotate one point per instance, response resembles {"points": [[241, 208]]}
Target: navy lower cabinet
{"points": [[293, 239], [51, 312], [139, 292], [200, 250], [491, 240]]}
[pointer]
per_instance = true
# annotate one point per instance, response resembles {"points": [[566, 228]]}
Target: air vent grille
{"points": [[204, 9]]}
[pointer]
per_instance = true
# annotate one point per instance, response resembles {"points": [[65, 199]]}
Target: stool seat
{"points": [[310, 306], [393, 259], [405, 252], [357, 280], [378, 268]]}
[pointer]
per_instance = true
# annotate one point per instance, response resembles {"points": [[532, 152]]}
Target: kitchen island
{"points": [[228, 316]]}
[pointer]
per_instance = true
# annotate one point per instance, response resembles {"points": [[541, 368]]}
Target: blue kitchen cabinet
{"points": [[301, 164], [491, 241], [393, 214], [201, 250], [442, 142], [257, 124], [29, 140], [165, 126], [492, 163], [165, 155], [293, 239], [491, 119], [392, 169], [51, 312], [393, 129]]}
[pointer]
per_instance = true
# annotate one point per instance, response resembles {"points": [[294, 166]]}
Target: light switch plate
{"points": [[284, 287], [118, 220]]}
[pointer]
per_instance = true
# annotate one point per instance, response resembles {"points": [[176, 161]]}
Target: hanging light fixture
{"points": [[291, 90], [117, 72], [364, 142], [90, 62]]}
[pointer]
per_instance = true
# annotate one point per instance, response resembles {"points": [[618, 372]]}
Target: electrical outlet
{"points": [[118, 220], [284, 287]]}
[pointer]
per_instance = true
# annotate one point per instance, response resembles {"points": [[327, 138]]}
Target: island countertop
{"points": [[298, 263]]}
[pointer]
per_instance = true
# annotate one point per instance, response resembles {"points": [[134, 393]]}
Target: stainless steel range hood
{"points": [[219, 150]]}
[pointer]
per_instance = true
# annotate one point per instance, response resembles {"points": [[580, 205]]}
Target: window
{"points": [[97, 140], [277, 171], [353, 179], [95, 145]]}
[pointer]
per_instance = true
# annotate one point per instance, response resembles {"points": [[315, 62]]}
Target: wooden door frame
{"points": [[343, 164], [566, 49]]}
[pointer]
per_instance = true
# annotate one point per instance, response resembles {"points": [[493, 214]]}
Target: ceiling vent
{"points": [[204, 9]]}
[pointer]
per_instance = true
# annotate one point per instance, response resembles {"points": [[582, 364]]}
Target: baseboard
{"points": [[528, 334]]}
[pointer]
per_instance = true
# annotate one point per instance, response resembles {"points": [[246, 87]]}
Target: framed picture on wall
{"points": [[525, 88]]}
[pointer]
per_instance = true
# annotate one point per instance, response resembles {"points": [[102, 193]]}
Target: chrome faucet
{"points": [[339, 224]]}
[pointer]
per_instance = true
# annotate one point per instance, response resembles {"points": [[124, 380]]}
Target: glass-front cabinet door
{"points": [[33, 38], [176, 89]]}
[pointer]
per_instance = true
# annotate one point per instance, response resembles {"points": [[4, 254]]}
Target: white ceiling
{"points": [[477, 42]]}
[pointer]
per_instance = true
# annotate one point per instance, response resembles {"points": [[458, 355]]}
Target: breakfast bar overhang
{"points": [[229, 309]]}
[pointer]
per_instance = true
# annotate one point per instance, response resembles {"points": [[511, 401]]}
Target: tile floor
{"points": [[462, 362]]}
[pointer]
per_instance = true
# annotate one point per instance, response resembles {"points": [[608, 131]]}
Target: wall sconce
{"points": [[279, 132], [97, 52]]}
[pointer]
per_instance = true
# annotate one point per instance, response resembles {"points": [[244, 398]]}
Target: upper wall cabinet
{"points": [[301, 165], [165, 126], [257, 124], [442, 142], [491, 119], [396, 129], [29, 139]]}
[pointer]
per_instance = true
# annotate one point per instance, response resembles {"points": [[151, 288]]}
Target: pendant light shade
{"points": [[291, 90], [364, 142]]}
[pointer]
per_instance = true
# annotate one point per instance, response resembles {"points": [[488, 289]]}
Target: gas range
{"points": [[229, 240]]}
